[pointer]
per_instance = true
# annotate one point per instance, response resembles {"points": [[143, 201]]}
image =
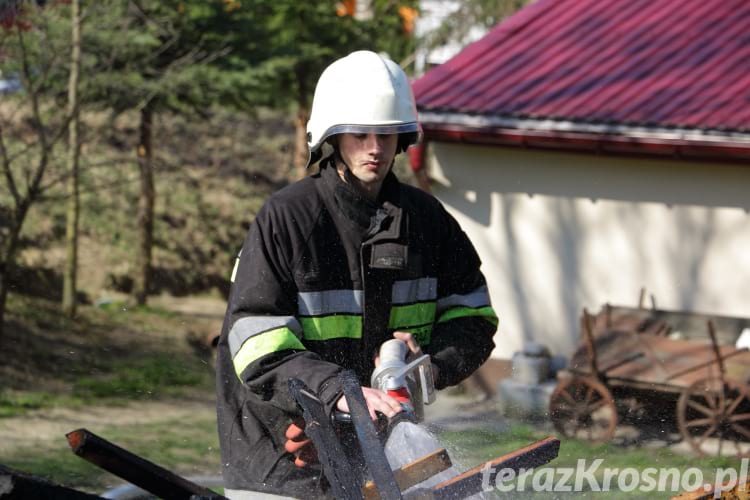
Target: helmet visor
{"points": [[394, 128]]}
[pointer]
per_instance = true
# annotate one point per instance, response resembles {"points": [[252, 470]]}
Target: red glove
{"points": [[299, 445]]}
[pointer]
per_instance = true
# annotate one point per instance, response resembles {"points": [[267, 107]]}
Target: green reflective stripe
{"points": [[461, 312], [416, 319], [265, 343], [332, 327], [412, 315], [250, 326], [423, 333]]}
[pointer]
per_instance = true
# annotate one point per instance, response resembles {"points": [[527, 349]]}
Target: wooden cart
{"points": [[619, 371]]}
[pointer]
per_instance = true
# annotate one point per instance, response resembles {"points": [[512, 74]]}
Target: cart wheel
{"points": [[583, 408], [714, 418]]}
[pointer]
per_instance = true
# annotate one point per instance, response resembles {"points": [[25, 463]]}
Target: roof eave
{"points": [[616, 139]]}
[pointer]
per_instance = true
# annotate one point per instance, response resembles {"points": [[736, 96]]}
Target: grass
{"points": [[13, 404], [146, 377], [187, 447], [109, 355], [98, 366]]}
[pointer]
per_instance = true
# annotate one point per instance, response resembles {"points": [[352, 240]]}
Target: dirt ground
{"points": [[59, 358], [46, 429]]}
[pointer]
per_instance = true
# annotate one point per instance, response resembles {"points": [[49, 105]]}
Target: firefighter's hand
{"points": [[407, 338], [376, 401], [298, 444], [414, 350]]}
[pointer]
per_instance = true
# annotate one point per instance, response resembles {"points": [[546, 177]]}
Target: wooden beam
{"points": [[16, 484], [413, 473], [737, 491], [470, 482], [132, 468]]}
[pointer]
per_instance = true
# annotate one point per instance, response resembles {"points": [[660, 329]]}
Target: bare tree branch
{"points": [[33, 180], [54, 181], [7, 171], [96, 188]]}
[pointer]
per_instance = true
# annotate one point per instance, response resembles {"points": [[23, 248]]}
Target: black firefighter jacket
{"points": [[324, 277]]}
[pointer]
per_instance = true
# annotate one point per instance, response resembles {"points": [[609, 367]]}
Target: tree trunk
{"points": [[8, 262], [301, 154], [3, 296], [5, 270], [142, 280], [74, 149]]}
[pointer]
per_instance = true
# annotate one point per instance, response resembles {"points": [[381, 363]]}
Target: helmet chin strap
{"points": [[348, 176]]}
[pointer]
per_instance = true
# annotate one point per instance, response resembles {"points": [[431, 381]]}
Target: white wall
{"points": [[560, 231]]}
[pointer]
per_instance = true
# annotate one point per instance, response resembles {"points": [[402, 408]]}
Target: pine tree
{"points": [[161, 56]]}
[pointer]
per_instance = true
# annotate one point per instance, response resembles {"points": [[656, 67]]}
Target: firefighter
{"points": [[333, 266]]}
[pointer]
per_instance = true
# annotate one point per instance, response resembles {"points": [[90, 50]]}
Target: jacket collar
{"points": [[379, 219], [382, 224]]}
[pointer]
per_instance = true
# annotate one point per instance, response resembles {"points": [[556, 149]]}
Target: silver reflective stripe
{"points": [[330, 302], [411, 291], [480, 297], [236, 265], [250, 326], [390, 128], [252, 495]]}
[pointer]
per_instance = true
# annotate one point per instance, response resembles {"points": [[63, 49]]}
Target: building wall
{"points": [[561, 231]]}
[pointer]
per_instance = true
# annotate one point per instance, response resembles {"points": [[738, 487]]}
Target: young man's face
{"points": [[369, 158]]}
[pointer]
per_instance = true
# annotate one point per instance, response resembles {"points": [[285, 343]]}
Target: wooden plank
{"points": [[413, 473], [738, 491], [19, 485], [643, 386], [612, 349], [132, 468], [668, 360], [470, 482], [690, 324], [725, 357]]}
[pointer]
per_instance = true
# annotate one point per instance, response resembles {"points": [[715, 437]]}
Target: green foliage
{"points": [[387, 29], [170, 60], [36, 56], [182, 58], [299, 39]]}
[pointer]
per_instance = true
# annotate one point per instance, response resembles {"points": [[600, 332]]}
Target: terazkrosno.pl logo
{"points": [[593, 477]]}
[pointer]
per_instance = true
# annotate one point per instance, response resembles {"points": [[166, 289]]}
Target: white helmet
{"points": [[362, 93]]}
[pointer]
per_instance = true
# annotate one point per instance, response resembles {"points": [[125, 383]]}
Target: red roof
{"points": [[646, 63]]}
